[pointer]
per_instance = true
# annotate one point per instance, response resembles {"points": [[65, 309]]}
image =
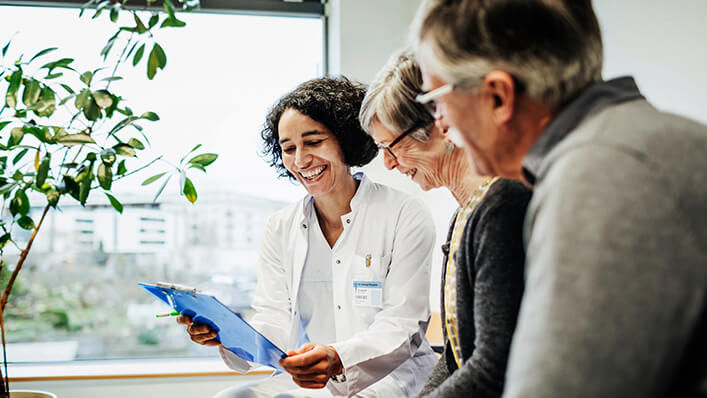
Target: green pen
{"points": [[173, 313]]}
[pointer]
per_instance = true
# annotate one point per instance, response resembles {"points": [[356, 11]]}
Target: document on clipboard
{"points": [[234, 332]]}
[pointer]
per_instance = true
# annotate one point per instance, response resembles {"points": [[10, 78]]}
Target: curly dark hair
{"points": [[332, 101]]}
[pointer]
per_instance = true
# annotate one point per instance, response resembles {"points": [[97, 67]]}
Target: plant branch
{"points": [[138, 169], [18, 267]]}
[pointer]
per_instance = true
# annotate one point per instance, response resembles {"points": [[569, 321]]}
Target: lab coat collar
{"points": [[358, 199]]}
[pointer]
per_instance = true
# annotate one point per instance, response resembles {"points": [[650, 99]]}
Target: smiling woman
{"points": [[343, 276]]}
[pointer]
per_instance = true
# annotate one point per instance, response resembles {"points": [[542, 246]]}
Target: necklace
{"points": [[450, 280]]}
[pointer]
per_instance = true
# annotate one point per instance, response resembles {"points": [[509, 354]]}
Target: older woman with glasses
{"points": [[482, 274]]}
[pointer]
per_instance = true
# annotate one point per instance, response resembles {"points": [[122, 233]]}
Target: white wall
{"points": [[362, 36], [662, 44]]}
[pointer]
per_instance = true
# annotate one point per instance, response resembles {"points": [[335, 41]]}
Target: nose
{"points": [[302, 158], [389, 161]]}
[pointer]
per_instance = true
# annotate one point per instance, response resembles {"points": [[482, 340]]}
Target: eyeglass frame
{"points": [[389, 148], [428, 98]]}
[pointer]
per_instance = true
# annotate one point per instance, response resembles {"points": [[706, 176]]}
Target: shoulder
{"points": [[502, 212], [503, 196], [287, 215]]}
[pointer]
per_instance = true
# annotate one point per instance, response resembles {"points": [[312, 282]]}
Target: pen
{"points": [[173, 313]]}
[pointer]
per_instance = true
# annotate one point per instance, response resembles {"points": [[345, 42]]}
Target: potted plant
{"points": [[49, 159]]}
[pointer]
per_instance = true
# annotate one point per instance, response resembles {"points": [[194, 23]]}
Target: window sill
{"points": [[125, 369]]}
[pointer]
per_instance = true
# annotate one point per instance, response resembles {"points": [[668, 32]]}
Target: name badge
{"points": [[368, 293]]}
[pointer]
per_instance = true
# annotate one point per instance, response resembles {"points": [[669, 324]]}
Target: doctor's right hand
{"points": [[198, 332]]}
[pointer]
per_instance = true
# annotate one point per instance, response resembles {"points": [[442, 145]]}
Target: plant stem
{"points": [[5, 391], [18, 267], [138, 169]]}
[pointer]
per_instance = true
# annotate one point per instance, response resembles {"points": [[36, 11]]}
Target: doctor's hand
{"points": [[199, 333], [312, 365]]}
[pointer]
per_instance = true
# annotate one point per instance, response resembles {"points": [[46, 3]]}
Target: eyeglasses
{"points": [[389, 148], [428, 98]]}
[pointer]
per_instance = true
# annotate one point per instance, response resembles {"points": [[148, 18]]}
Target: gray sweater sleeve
{"points": [[490, 284], [614, 286]]}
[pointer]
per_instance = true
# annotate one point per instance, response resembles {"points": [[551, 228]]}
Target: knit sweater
{"points": [[489, 274]]}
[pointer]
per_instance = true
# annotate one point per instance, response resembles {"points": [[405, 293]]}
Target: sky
{"points": [[223, 73]]}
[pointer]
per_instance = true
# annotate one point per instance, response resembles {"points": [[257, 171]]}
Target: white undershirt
{"points": [[315, 298]]}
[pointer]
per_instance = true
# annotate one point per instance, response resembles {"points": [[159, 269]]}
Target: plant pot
{"points": [[31, 394]]}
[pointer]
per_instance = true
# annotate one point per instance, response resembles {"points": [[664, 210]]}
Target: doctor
{"points": [[344, 273]]}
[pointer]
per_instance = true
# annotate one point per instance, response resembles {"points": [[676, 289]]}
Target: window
{"points": [[77, 296]]}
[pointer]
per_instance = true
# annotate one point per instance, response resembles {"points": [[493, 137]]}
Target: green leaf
{"points": [[39, 54], [121, 168], [15, 81], [47, 103], [20, 203], [25, 222], [43, 171], [62, 63], [153, 178], [204, 159], [139, 26], [4, 239], [151, 116], [189, 190], [92, 111], [67, 88], [3, 124], [86, 78], [70, 186], [76, 139], [135, 143], [103, 98], [83, 99], [198, 167], [124, 150], [108, 156], [138, 54], [85, 185], [53, 76], [114, 12], [161, 56], [169, 8], [105, 176], [153, 20], [172, 23], [19, 156], [111, 78], [16, 136], [31, 92], [152, 64], [159, 191], [115, 203], [52, 196], [4, 49]]}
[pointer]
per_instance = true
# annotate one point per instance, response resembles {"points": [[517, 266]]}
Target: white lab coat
{"points": [[387, 342]]}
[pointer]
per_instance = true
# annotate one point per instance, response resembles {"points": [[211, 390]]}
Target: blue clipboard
{"points": [[234, 332]]}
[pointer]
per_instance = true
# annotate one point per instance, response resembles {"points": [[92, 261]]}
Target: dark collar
{"points": [[592, 100]]}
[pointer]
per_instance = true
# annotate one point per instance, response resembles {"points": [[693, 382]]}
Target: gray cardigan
{"points": [[616, 290], [489, 272]]}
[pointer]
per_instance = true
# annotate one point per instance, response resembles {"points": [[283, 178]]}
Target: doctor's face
{"points": [[311, 153]]}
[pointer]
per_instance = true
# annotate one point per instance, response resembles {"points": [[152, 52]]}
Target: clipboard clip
{"points": [[177, 287]]}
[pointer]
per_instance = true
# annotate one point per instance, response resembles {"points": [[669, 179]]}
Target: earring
{"points": [[449, 148]]}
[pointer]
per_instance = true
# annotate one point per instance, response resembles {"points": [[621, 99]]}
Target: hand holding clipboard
{"points": [[213, 323]]}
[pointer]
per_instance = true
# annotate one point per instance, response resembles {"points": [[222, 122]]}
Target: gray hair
{"points": [[552, 48], [390, 99]]}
